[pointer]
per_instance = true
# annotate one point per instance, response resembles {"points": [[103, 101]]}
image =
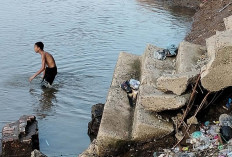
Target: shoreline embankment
{"points": [[123, 129]]}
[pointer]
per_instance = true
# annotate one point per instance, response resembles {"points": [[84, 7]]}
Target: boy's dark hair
{"points": [[40, 45]]}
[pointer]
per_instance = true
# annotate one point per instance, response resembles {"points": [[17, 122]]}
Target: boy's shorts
{"points": [[50, 74]]}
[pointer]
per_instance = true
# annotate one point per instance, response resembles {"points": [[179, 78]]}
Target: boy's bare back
{"points": [[49, 60]]}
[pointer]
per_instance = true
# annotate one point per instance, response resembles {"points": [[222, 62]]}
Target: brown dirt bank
{"points": [[208, 20]]}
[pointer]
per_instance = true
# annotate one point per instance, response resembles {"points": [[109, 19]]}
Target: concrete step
{"points": [[155, 100], [176, 83], [148, 125], [116, 123], [188, 57], [152, 68]]}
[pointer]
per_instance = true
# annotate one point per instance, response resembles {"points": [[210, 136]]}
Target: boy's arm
{"points": [[43, 73], [41, 69]]}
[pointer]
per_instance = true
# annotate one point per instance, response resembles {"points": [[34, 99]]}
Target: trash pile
{"points": [[211, 139], [131, 88]]}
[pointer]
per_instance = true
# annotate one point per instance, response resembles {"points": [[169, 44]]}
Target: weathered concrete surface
{"points": [[228, 22], [152, 68], [91, 150], [94, 124], [20, 137], [190, 59], [147, 125], [37, 153], [124, 68], [217, 74], [188, 56], [176, 83], [116, 121], [155, 100]]}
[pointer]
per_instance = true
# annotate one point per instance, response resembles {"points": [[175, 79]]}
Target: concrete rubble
{"points": [[20, 137], [219, 49]]}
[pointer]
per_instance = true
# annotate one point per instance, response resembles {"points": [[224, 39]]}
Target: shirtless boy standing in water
{"points": [[48, 65]]}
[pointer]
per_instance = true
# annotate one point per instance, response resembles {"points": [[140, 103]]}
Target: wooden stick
{"points": [[198, 109], [189, 106]]}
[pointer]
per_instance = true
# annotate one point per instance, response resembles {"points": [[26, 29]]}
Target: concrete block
{"points": [[188, 56], [228, 22], [176, 83], [152, 68], [116, 123], [20, 137], [155, 100], [217, 74], [148, 125], [124, 68]]}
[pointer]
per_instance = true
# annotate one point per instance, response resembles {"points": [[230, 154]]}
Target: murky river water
{"points": [[85, 38]]}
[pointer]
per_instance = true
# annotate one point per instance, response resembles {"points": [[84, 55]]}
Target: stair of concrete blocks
{"points": [[217, 74], [159, 77], [121, 123]]}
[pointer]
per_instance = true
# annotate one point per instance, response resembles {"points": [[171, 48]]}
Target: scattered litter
{"points": [[213, 138], [225, 120], [131, 88], [160, 54], [134, 84], [171, 50]]}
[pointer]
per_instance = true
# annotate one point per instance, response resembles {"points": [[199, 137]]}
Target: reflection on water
{"points": [[47, 99]]}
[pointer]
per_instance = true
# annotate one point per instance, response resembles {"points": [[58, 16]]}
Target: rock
{"points": [[228, 22], [188, 56], [20, 137], [176, 83], [94, 124], [37, 153], [192, 120], [217, 74]]}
